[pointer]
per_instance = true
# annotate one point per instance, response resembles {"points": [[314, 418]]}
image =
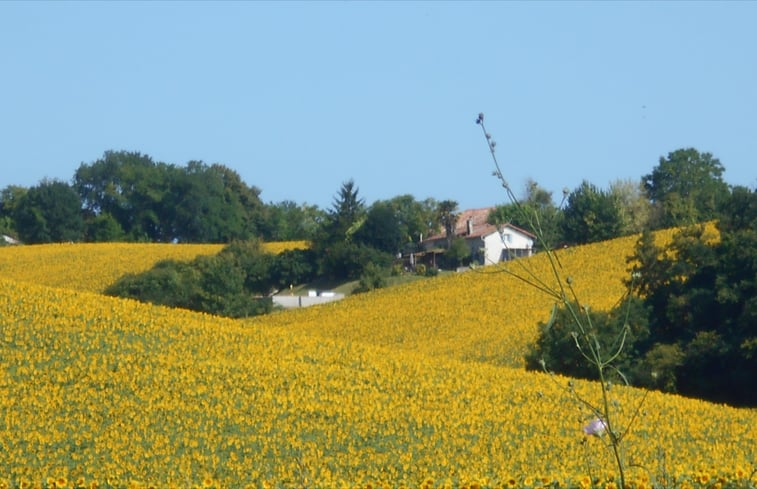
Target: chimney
{"points": [[470, 226]]}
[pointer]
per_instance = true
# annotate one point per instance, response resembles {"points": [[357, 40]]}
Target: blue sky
{"points": [[300, 97]]}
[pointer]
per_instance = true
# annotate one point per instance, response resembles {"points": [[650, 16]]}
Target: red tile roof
{"points": [[477, 218], [479, 226]]}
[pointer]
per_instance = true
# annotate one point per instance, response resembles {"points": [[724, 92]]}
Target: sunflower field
{"points": [[94, 266], [416, 386]]}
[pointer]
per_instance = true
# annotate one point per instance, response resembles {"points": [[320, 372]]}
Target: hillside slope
{"points": [[483, 315], [111, 390]]}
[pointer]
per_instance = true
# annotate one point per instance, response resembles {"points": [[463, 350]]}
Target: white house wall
{"points": [[494, 246], [516, 241]]}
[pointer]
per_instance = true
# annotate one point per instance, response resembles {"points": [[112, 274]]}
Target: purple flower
{"points": [[596, 427]]}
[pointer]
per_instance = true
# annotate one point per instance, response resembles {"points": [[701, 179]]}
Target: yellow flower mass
{"points": [[420, 385], [94, 266]]}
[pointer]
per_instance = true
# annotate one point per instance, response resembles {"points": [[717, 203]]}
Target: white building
{"points": [[489, 244]]}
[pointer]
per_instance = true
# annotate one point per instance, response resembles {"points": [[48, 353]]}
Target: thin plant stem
{"points": [[564, 294]]}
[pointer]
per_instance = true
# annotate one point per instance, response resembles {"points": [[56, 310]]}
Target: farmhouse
{"points": [[488, 244]]}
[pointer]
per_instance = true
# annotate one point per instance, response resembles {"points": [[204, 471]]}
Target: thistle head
{"points": [[596, 427]]}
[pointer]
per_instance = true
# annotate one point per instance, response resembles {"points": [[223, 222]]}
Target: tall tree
{"points": [[339, 256], [633, 205], [686, 187], [381, 228], [49, 212], [447, 215], [131, 188], [288, 221], [9, 198], [415, 219], [248, 197], [398, 224], [347, 213], [211, 204], [591, 215]]}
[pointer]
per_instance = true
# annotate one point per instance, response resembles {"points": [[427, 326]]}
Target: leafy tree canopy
{"points": [[288, 221], [347, 212], [692, 324], [591, 215], [9, 198], [633, 205], [160, 202], [49, 212], [446, 212], [397, 224], [686, 187]]}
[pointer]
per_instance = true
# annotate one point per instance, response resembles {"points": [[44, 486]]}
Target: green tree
{"points": [[339, 255], [348, 259], [686, 187], [9, 198], [254, 262], [591, 215], [458, 253], [49, 212], [160, 202], [288, 221], [398, 224], [535, 209], [238, 193], [701, 294], [211, 204], [382, 229], [169, 283], [446, 212], [633, 206], [293, 267], [346, 215], [372, 278], [222, 283], [232, 283], [104, 228], [415, 219], [131, 188], [563, 347]]}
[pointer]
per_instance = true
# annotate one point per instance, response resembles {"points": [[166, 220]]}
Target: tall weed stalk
{"points": [[559, 287]]}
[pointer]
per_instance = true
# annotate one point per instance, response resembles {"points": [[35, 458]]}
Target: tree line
{"points": [[126, 196], [686, 187]]}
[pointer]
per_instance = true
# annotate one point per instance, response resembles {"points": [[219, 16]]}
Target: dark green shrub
{"points": [[293, 267], [234, 283], [373, 277], [168, 283], [347, 260], [560, 345]]}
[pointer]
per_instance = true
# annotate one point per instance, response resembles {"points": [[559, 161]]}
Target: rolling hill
{"points": [[419, 385]]}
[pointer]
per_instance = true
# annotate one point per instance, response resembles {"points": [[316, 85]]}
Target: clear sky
{"points": [[300, 97]]}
